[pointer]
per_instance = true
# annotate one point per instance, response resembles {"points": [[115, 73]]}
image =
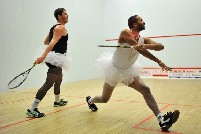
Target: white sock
{"points": [[57, 98], [34, 104], [90, 101], [160, 117]]}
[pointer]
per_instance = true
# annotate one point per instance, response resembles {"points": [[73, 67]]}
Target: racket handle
{"points": [[35, 63]]}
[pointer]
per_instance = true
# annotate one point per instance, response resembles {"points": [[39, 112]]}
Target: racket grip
{"points": [[35, 63]]}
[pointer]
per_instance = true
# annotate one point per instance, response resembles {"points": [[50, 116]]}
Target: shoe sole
{"points": [[64, 103], [92, 109], [60, 105], [175, 116], [32, 116]]}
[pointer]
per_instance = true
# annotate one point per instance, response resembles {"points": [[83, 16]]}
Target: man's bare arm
{"points": [[151, 45], [150, 56], [46, 41]]}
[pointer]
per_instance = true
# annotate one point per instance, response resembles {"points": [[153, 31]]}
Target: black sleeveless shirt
{"points": [[61, 45]]}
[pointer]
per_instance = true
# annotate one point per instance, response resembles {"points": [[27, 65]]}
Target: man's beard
{"points": [[141, 28]]}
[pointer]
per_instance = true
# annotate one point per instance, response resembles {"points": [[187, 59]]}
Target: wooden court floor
{"points": [[125, 113]]}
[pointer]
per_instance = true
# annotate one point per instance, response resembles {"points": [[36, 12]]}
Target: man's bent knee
{"points": [[145, 90], [104, 100]]}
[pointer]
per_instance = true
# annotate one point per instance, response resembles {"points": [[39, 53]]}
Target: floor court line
{"points": [[148, 118], [30, 119], [137, 126], [66, 108], [16, 123], [6, 102], [124, 100], [184, 105]]}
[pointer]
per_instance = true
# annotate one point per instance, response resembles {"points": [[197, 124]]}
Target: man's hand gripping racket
{"points": [[164, 67]]}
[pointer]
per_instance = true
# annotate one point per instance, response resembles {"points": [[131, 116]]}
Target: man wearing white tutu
{"points": [[55, 58], [120, 68]]}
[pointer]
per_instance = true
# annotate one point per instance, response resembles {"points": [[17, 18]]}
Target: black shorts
{"points": [[54, 69]]}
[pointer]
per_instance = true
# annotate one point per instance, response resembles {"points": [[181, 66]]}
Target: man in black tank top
{"points": [[56, 42]]}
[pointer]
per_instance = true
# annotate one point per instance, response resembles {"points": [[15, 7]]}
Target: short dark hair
{"points": [[132, 20], [58, 12]]}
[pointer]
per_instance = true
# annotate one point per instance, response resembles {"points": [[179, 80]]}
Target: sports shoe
{"points": [[61, 103], [169, 119], [91, 106], [35, 113]]}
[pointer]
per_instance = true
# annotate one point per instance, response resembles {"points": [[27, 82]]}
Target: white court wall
{"points": [[162, 17], [25, 23]]}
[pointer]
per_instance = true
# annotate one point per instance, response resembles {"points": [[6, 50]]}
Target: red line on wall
{"points": [[161, 75], [163, 36], [173, 68]]}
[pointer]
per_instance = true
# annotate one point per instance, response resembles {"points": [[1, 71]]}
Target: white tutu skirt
{"points": [[114, 75], [57, 59]]}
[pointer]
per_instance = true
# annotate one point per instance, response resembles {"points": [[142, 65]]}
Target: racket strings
{"points": [[18, 80]]}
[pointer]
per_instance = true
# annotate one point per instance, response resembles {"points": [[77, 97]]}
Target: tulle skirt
{"points": [[57, 59], [114, 75]]}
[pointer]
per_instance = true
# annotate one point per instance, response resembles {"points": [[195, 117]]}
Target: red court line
{"points": [[124, 100], [14, 101], [163, 36], [184, 105], [137, 126], [66, 108], [17, 123], [187, 105], [30, 119], [148, 118]]}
